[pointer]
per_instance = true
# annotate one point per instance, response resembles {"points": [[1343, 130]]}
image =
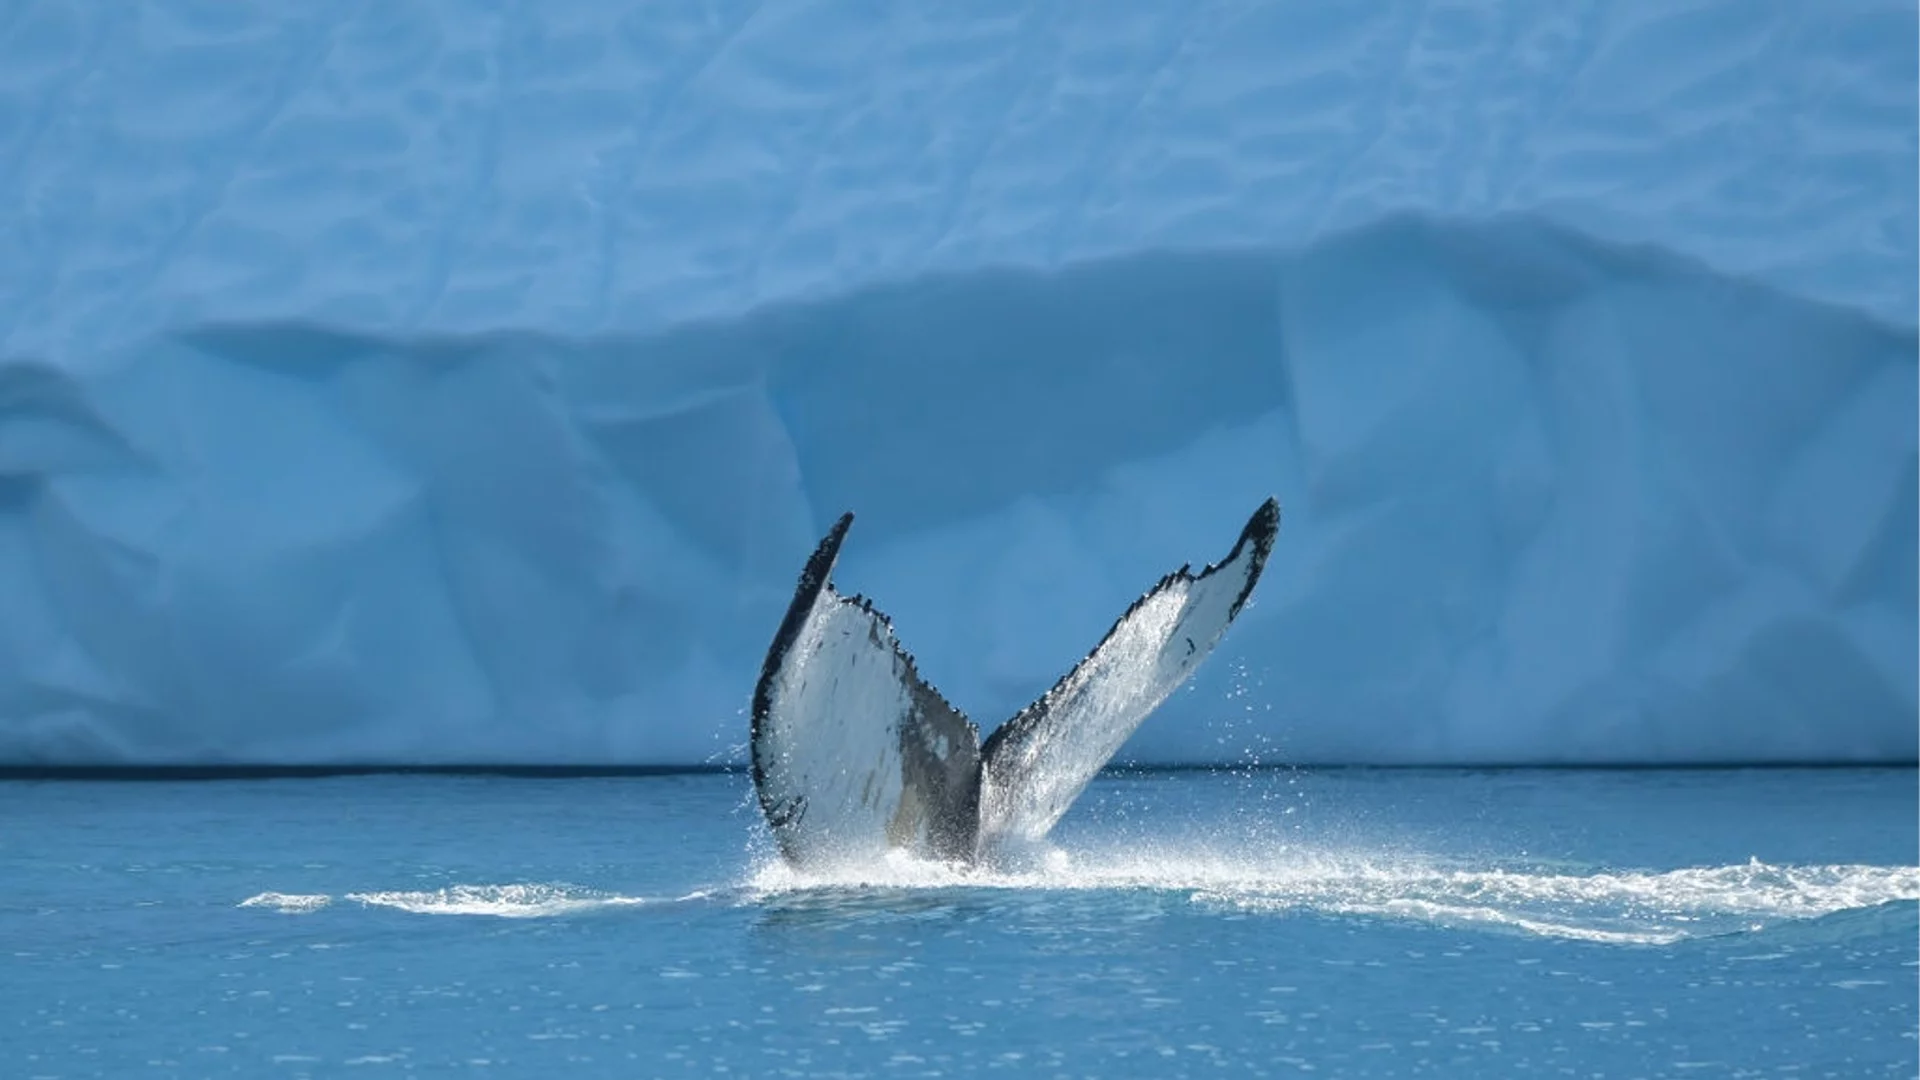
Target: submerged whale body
{"points": [[855, 755]]}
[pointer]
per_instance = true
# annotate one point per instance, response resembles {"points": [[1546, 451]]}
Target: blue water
{"points": [[1354, 923]]}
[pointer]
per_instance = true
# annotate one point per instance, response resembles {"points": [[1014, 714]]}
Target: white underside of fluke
{"points": [[855, 755]]}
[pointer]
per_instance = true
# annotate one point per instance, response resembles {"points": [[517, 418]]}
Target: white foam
{"points": [[514, 901], [1630, 907], [1611, 906], [289, 903], [522, 901]]}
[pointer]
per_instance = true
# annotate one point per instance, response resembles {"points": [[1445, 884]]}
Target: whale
{"points": [[855, 756]]}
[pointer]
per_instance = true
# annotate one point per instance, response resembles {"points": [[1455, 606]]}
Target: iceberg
{"points": [[405, 385]]}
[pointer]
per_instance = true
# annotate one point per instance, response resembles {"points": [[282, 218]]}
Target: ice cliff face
{"points": [[400, 384]]}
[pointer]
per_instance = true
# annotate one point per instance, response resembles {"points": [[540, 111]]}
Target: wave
{"points": [[1638, 907], [514, 901], [1611, 906], [288, 903]]}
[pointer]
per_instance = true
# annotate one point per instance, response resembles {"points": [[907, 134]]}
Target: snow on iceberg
{"points": [[405, 385]]}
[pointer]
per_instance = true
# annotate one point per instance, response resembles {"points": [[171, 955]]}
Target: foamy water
{"points": [[516, 901], [1613, 906]]}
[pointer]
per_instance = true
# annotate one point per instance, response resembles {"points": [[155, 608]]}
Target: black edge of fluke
{"points": [[814, 579], [865, 603], [1260, 531]]}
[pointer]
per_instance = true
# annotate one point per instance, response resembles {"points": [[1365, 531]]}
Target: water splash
{"points": [[529, 901], [1633, 907], [515, 901], [1628, 907], [1620, 907], [288, 903]]}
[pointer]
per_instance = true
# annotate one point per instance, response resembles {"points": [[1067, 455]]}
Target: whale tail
{"points": [[855, 754]]}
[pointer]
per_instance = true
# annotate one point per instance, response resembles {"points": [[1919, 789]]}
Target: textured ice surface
{"points": [[406, 382]]}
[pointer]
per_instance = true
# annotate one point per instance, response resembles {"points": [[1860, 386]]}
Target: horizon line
{"points": [[272, 771]]}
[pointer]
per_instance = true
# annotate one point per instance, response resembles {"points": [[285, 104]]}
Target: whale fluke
{"points": [[854, 754], [1037, 763]]}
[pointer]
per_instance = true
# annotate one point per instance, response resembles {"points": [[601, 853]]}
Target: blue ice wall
{"points": [[441, 383]]}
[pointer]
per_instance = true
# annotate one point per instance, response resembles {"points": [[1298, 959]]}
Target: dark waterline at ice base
{"points": [[1354, 923]]}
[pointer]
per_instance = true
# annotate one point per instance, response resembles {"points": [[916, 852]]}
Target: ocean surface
{"points": [[1260, 923]]}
